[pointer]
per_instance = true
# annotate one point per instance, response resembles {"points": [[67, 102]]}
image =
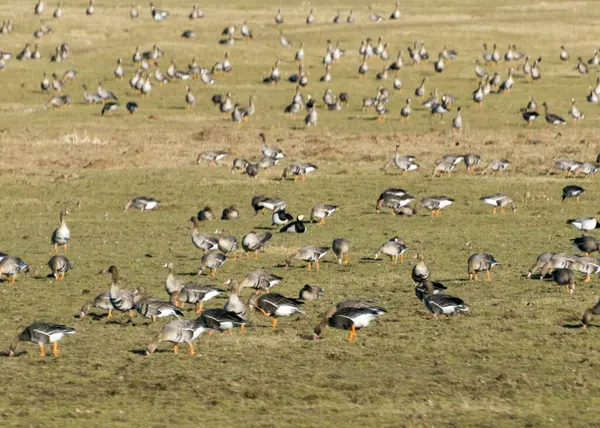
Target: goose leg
{"points": [[65, 248], [402, 257], [42, 351], [308, 267], [587, 278], [274, 323], [55, 349], [489, 277], [192, 352], [303, 177], [432, 213], [131, 313], [243, 329], [234, 256], [230, 331], [476, 276], [257, 255], [200, 307], [56, 248], [437, 214], [494, 212], [352, 336], [109, 314], [13, 280], [470, 277], [212, 273], [322, 221], [318, 265], [175, 348], [153, 318]]}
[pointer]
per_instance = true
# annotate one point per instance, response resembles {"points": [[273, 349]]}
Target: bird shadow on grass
{"points": [[17, 354], [577, 326]]}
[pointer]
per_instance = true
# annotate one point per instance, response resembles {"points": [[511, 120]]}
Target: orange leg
{"points": [[153, 318], [318, 265], [200, 307], [476, 276], [55, 349], [243, 329], [437, 213], [65, 248], [352, 336], [489, 277], [256, 255], [192, 352], [234, 256], [303, 177], [432, 213], [587, 278], [131, 313], [109, 313], [175, 348], [470, 277], [494, 212], [13, 280], [308, 267], [274, 323], [212, 273], [322, 221], [42, 351]]}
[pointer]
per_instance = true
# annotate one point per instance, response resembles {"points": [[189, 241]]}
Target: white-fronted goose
{"points": [[211, 261], [260, 280], [109, 108], [341, 248], [101, 301], [41, 333], [588, 168], [230, 213], [311, 292], [420, 271], [122, 300], [529, 116], [587, 244], [309, 254], [575, 113], [572, 192], [312, 117], [478, 94], [420, 91], [396, 13], [498, 200], [239, 164], [347, 319], [158, 15], [61, 234], [435, 203], [439, 65], [212, 156], [582, 68], [271, 152], [551, 118], [234, 303], [179, 331], [172, 284], [195, 294], [59, 265], [320, 211], [153, 308], [588, 266], [564, 55], [205, 214], [190, 99], [245, 30], [457, 122], [497, 166], [142, 203], [228, 244], [351, 19], [541, 260], [585, 224], [471, 160], [39, 8], [134, 13], [566, 277], [275, 305], [559, 261], [278, 17], [405, 113], [393, 198], [90, 9], [298, 169], [421, 289], [394, 248], [220, 319], [297, 226], [253, 242], [480, 262], [442, 304], [261, 202], [587, 315], [11, 266]]}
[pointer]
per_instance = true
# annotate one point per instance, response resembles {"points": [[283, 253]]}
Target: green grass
{"points": [[517, 360]]}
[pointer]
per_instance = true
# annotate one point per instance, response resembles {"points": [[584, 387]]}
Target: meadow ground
{"points": [[520, 359]]}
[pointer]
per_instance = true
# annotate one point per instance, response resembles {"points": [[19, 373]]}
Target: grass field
{"points": [[519, 359]]}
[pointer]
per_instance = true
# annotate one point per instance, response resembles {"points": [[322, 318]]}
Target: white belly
{"points": [[445, 203], [364, 320]]}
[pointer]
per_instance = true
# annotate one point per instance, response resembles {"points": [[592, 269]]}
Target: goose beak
{"points": [[315, 337], [102, 271], [11, 353]]}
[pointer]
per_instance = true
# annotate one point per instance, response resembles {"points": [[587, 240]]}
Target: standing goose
{"points": [[320, 211], [190, 99], [397, 65], [404, 163], [245, 31], [228, 244], [442, 304], [101, 301], [566, 277], [278, 17], [480, 262], [212, 156], [297, 226], [220, 319], [158, 15], [420, 271], [575, 113], [341, 248], [529, 116], [41, 333], [587, 315], [572, 192], [200, 240], [435, 203], [142, 203], [211, 261], [393, 248], [253, 242], [195, 294], [151, 307], [457, 122], [478, 94], [406, 110], [172, 284], [90, 9], [311, 292], [179, 331], [439, 65], [582, 68], [119, 73], [396, 13], [275, 305], [134, 13], [59, 265], [310, 18], [312, 117], [309, 254], [346, 319], [39, 8], [121, 300], [564, 55], [234, 303], [11, 266], [551, 118], [587, 244], [270, 152], [498, 200], [420, 91], [61, 234]]}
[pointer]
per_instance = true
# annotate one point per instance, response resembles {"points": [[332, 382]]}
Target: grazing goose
{"points": [[442, 304], [480, 262], [253, 242], [220, 319], [588, 168], [230, 213], [420, 91], [109, 108], [393, 248], [341, 248], [281, 218], [587, 315], [529, 116], [152, 308], [587, 244], [41, 333], [260, 280], [420, 271], [559, 261], [121, 300], [497, 166], [471, 160], [261, 202], [575, 113], [309, 254], [61, 234], [551, 118], [59, 265], [374, 17], [298, 169], [568, 165], [270, 152], [572, 192], [239, 164], [566, 277], [179, 331], [275, 305], [358, 303], [212, 156], [101, 301], [142, 203], [11, 266], [158, 15], [347, 319], [435, 203], [393, 198], [297, 226], [499, 200], [205, 214], [311, 292], [234, 303], [320, 211], [195, 294], [587, 265], [585, 224], [228, 244], [540, 262], [211, 261], [421, 289]]}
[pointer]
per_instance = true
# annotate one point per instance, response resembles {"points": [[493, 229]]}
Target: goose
{"points": [[508, 84], [420, 91], [363, 69], [435, 203], [421, 289], [134, 13], [346, 319], [59, 265], [195, 294], [393, 198], [381, 110], [212, 156], [119, 73], [337, 18], [239, 163], [190, 99], [284, 41], [281, 218], [309, 254], [206, 214], [341, 248], [121, 300], [271, 152], [245, 31], [278, 17], [297, 226], [253, 242], [179, 331], [566, 277], [246, 112], [131, 107], [479, 71], [587, 244], [57, 84], [406, 110], [592, 97], [252, 169], [532, 105], [260, 280], [11, 266], [200, 240], [311, 292], [457, 122], [293, 109], [275, 305], [311, 118], [327, 76], [396, 13], [101, 301], [90, 9], [320, 211], [41, 333], [404, 163], [575, 113], [582, 68], [61, 234], [374, 17], [104, 94], [310, 18], [39, 8], [260, 203], [587, 265], [350, 19], [394, 248], [158, 15], [109, 108], [432, 100], [444, 166], [45, 83], [234, 303], [572, 192], [588, 168], [211, 261], [420, 271], [422, 51], [228, 244], [152, 308], [541, 260], [442, 304], [439, 65], [382, 75], [480, 262], [172, 284], [529, 116], [535, 70], [496, 80], [587, 315], [299, 169], [220, 319], [564, 55], [142, 203], [527, 68], [498, 200], [497, 166], [559, 261], [478, 95], [229, 30], [36, 54], [449, 54], [471, 160]]}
